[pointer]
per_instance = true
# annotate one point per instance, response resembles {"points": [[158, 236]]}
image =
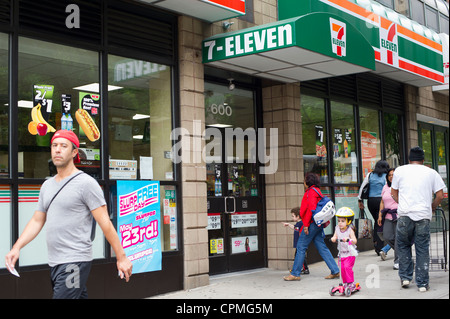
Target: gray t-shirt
{"points": [[69, 218]]}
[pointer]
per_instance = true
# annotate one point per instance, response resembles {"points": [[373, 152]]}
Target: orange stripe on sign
{"points": [[356, 9], [418, 70], [419, 38], [237, 5], [336, 27], [385, 23]]}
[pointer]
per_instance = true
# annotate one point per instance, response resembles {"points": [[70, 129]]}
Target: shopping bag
{"points": [[364, 227]]}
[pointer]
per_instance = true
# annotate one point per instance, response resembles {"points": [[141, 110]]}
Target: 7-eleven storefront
{"points": [[339, 82]]}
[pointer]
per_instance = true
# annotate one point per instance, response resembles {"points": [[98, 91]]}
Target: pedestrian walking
{"points": [[68, 204], [413, 186], [387, 218], [376, 180], [297, 228], [311, 232]]}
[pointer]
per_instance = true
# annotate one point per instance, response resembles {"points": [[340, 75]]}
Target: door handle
{"points": [[232, 200]]}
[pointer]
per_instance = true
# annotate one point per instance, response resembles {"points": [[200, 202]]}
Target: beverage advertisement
{"points": [[138, 223]]}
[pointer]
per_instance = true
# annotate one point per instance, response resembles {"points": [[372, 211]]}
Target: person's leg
{"points": [[347, 264], [389, 235], [422, 247], [374, 207], [302, 245], [69, 280], [404, 238], [323, 249]]}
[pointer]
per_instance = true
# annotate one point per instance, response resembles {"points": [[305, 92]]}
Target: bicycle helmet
{"points": [[347, 213]]}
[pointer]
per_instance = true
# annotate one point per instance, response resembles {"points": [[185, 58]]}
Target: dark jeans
{"points": [[374, 207], [417, 232], [69, 280]]}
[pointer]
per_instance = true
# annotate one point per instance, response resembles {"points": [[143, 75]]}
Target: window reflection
{"points": [[139, 119]]}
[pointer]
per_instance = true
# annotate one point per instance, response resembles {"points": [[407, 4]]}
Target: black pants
{"points": [[69, 280], [374, 208]]}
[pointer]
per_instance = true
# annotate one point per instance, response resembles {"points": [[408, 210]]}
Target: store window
{"points": [[431, 16], [139, 119], [4, 106], [345, 161], [314, 131], [48, 73], [417, 11], [392, 139], [370, 139]]}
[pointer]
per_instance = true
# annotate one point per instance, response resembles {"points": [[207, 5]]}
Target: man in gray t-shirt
{"points": [[69, 218], [69, 221]]}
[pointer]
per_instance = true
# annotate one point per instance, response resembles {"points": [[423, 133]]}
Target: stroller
{"points": [[345, 289]]}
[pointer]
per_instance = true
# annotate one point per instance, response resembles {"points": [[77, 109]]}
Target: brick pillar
{"points": [[281, 109], [192, 118]]}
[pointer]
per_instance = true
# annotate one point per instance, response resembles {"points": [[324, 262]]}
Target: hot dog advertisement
{"points": [[89, 104]]}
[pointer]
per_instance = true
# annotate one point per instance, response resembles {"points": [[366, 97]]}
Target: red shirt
{"points": [[309, 203]]}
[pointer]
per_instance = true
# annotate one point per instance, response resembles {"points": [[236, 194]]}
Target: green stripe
{"points": [[419, 54]]}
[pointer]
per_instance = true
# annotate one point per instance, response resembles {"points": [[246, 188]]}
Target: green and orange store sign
{"points": [[360, 32]]}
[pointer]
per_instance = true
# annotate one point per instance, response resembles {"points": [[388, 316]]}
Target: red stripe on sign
{"points": [[418, 70], [237, 5]]}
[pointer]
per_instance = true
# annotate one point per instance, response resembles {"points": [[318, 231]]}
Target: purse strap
{"points": [[362, 213], [48, 206]]}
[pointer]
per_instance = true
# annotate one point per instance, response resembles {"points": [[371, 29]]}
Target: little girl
{"points": [[345, 236]]}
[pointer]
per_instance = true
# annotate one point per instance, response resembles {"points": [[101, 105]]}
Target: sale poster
{"points": [[138, 223]]}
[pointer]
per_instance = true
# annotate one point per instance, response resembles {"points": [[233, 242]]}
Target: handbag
{"points": [[364, 227], [366, 189]]}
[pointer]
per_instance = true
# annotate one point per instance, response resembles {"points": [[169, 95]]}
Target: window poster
{"points": [[138, 223], [321, 150], [244, 244]]}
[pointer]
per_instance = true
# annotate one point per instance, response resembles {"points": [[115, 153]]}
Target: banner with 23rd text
{"points": [[138, 220]]}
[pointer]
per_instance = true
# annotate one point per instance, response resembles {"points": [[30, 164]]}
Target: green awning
{"points": [[313, 46]]}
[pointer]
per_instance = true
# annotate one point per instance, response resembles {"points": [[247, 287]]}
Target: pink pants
{"points": [[347, 264]]}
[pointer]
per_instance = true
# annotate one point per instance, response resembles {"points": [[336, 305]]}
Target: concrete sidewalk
{"points": [[377, 278]]}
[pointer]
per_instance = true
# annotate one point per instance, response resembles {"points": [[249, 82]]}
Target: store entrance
{"points": [[234, 217], [235, 213]]}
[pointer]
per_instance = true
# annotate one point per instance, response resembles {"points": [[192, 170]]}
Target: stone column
{"points": [[192, 119], [281, 110]]}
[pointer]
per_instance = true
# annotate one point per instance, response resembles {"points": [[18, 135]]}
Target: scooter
{"points": [[344, 289]]}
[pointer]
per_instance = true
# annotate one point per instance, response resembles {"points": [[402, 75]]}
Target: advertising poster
{"points": [[244, 244], [138, 223]]}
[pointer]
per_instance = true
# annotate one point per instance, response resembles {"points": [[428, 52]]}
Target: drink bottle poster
{"points": [[138, 223]]}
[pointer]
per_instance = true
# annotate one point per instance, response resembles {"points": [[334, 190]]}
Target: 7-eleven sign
{"points": [[338, 37], [389, 44]]}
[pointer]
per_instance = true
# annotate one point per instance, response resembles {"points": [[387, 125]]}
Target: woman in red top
{"points": [[311, 232]]}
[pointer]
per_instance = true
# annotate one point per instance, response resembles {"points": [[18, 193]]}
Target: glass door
{"points": [[234, 201]]}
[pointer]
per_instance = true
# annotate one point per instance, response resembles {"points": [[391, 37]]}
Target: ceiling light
{"points": [[25, 104], [94, 87], [218, 125], [140, 116]]}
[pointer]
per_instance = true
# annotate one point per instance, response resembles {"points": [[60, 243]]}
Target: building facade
{"points": [[227, 105]]}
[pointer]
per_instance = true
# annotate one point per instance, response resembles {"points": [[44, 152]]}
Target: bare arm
{"points": [[394, 194], [124, 265], [32, 229], [438, 199]]}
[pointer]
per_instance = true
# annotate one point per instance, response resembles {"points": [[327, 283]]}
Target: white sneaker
{"points": [[383, 255], [405, 283], [396, 266], [423, 289]]}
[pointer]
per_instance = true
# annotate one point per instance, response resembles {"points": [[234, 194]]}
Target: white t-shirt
{"points": [[416, 185]]}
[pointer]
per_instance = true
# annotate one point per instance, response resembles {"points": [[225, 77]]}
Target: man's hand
{"points": [[12, 257], [125, 268]]}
